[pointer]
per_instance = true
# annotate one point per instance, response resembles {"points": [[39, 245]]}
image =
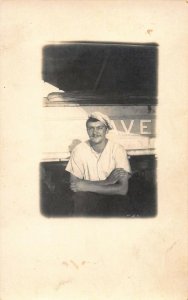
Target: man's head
{"points": [[97, 127]]}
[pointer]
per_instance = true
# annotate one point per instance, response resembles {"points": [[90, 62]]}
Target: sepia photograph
{"points": [[99, 116], [94, 160]]}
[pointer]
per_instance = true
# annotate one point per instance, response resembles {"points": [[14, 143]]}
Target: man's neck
{"points": [[99, 147]]}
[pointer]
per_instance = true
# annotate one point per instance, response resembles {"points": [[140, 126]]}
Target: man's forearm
{"points": [[98, 182], [115, 184], [110, 189]]}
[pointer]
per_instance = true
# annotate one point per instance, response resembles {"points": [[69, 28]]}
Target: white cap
{"points": [[102, 118]]}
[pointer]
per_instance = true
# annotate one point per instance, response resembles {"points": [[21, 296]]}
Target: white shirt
{"points": [[87, 164]]}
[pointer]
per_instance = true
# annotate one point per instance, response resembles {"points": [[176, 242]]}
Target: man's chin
{"points": [[95, 140]]}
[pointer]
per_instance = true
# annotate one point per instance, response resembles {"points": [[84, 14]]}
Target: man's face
{"points": [[97, 132]]}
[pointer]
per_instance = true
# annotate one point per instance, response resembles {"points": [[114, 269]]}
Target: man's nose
{"points": [[95, 130]]}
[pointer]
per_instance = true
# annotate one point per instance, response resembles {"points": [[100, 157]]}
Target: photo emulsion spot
{"points": [[99, 119]]}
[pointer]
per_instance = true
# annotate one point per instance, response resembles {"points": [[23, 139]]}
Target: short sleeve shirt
{"points": [[87, 164]]}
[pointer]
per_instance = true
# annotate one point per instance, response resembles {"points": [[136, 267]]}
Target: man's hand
{"points": [[115, 176], [77, 186]]}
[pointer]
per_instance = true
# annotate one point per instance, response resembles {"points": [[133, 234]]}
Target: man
{"points": [[98, 166]]}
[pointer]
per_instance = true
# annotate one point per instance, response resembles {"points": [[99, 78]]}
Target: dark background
{"points": [[57, 198]]}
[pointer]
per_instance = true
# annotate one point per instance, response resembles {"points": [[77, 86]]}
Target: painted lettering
{"points": [[127, 130], [144, 127]]}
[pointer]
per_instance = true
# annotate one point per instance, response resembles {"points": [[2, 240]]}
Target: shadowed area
{"points": [[93, 71], [58, 200]]}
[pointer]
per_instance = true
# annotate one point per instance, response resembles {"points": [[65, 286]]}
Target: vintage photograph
{"points": [[94, 160], [99, 119]]}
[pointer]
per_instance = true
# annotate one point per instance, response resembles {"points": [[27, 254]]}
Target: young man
{"points": [[98, 165]]}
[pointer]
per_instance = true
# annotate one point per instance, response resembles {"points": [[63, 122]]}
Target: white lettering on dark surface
{"points": [[127, 130], [143, 127]]}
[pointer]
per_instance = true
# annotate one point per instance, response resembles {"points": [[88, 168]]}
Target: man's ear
{"points": [[107, 130]]}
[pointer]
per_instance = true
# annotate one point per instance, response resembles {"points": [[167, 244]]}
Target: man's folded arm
{"points": [[115, 184], [74, 179]]}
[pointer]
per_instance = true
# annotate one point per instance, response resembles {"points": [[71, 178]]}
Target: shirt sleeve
{"points": [[75, 165], [121, 159]]}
